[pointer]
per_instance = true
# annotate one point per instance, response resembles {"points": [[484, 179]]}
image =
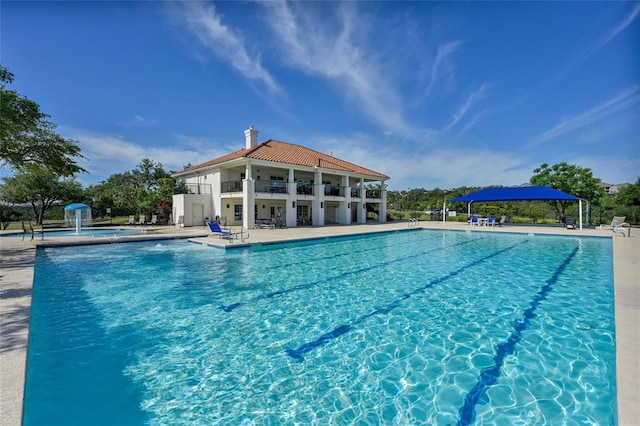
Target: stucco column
{"points": [[290, 209], [383, 203], [344, 211], [248, 197], [362, 210], [318, 189]]}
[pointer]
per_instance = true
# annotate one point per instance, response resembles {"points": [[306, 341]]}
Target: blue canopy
{"points": [[514, 194], [77, 206], [521, 193]]}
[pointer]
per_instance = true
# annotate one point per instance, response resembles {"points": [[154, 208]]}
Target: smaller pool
{"points": [[86, 232]]}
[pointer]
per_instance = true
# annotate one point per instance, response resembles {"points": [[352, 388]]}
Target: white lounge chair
{"points": [[131, 221], [154, 219], [617, 225]]}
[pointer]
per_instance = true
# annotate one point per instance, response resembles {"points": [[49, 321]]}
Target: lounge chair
{"points": [[570, 222], [617, 225], [215, 229], [474, 221], [491, 221], [28, 229], [131, 221], [228, 233], [154, 219], [143, 220]]}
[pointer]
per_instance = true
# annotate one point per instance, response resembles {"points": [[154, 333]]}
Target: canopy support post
{"points": [[580, 212]]}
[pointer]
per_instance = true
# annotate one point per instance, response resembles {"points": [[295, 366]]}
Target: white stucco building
{"points": [[278, 183]]}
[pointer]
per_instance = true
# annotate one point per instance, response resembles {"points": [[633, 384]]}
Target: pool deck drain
{"points": [[17, 268]]}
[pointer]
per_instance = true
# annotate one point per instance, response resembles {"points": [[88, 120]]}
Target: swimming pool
{"points": [[415, 327]]}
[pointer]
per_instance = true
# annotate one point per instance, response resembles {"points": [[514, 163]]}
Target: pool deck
{"points": [[17, 259]]}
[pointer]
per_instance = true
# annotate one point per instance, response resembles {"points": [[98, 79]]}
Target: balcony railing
{"points": [[304, 188], [271, 186], [231, 186], [280, 187], [193, 188], [333, 190]]}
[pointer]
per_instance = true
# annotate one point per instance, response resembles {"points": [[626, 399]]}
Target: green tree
{"points": [[26, 137], [572, 179], [40, 188], [145, 190], [629, 199]]}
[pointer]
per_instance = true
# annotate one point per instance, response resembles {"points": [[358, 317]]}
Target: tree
{"points": [[147, 190], [26, 137], [574, 180], [40, 188], [629, 199]]}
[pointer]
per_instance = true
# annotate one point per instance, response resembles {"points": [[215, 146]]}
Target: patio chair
{"points": [[570, 222], [28, 229], [228, 233], [215, 229], [131, 221], [474, 221], [180, 223], [143, 220], [617, 225], [491, 221], [154, 219]]}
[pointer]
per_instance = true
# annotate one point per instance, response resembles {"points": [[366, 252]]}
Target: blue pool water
{"points": [[86, 232], [415, 327]]}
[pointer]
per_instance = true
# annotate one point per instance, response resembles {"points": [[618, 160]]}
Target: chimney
{"points": [[251, 137]]}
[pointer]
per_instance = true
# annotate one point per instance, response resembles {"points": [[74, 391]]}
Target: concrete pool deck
{"points": [[17, 260]]}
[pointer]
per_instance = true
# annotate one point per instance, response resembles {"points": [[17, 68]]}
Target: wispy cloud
{"points": [[469, 102], [203, 21], [327, 49], [106, 154], [619, 103], [442, 67], [138, 121], [632, 16]]}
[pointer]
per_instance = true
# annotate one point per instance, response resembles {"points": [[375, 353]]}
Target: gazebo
{"points": [[523, 193]]}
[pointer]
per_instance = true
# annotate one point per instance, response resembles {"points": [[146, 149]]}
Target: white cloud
{"points": [[618, 104], [138, 121], [442, 67], [109, 154], [444, 168], [328, 49], [472, 99], [203, 21]]}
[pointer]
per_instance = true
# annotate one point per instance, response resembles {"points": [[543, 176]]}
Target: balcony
{"points": [[304, 188], [193, 188], [271, 186], [333, 190], [231, 186]]}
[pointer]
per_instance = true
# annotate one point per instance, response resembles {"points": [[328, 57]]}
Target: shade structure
{"points": [[521, 193]]}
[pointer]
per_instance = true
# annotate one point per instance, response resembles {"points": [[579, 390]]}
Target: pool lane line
{"points": [[229, 308], [300, 352], [490, 375], [334, 256]]}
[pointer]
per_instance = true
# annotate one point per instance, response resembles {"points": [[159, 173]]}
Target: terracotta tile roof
{"points": [[287, 153]]}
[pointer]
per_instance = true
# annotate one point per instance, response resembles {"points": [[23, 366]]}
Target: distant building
{"points": [[279, 183], [613, 189]]}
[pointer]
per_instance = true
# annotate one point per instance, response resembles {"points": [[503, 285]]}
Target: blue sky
{"points": [[433, 94]]}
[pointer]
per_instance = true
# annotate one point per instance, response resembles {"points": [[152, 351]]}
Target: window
{"points": [[237, 212]]}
